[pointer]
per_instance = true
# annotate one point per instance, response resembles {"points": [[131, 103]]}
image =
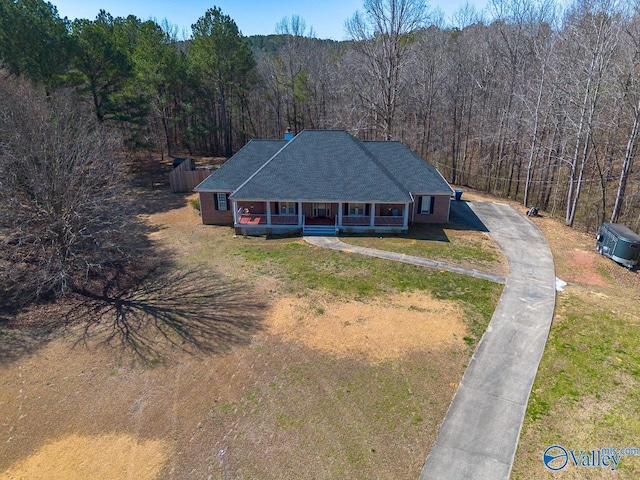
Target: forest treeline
{"points": [[526, 100]]}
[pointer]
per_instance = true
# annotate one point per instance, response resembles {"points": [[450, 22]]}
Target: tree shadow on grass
{"points": [[16, 342], [25, 331], [193, 311], [158, 200]]}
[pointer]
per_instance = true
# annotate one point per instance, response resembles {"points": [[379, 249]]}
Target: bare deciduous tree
{"points": [[382, 35], [593, 30], [64, 221], [292, 62]]}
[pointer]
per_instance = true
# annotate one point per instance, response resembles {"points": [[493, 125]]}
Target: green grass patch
{"points": [[587, 391], [303, 267], [433, 242], [195, 203], [589, 352]]}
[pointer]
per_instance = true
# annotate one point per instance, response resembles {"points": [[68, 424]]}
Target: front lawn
{"points": [[346, 371], [466, 248]]}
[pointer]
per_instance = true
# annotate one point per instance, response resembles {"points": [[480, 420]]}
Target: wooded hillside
{"points": [[524, 100]]}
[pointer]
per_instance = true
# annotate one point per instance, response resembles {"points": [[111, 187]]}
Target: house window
{"points": [[357, 209], [221, 201], [426, 205], [287, 208]]}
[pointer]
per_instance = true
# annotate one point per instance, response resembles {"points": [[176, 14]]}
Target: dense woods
{"points": [[525, 100]]}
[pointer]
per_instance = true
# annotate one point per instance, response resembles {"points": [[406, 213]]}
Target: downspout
{"points": [[413, 208]]}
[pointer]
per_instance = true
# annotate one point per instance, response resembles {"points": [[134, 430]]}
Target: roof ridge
{"points": [[265, 164], [229, 165], [380, 164]]}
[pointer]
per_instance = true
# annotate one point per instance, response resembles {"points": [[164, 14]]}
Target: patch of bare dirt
{"points": [[583, 268], [576, 260], [81, 457], [374, 331]]}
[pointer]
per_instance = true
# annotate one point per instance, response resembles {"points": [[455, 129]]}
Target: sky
{"points": [[253, 17]]}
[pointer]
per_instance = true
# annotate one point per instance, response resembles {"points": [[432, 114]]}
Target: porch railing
{"points": [[383, 221], [261, 219], [356, 221], [284, 219], [347, 221], [389, 221]]}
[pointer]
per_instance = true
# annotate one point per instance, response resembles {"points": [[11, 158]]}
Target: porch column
{"points": [[405, 222], [268, 213], [372, 220], [299, 213], [340, 207], [234, 205]]}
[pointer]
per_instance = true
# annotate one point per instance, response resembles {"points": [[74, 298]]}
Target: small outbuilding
{"points": [[619, 243]]}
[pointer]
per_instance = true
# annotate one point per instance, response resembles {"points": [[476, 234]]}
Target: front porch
{"points": [[278, 216]]}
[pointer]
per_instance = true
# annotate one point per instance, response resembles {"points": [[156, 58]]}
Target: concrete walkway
{"points": [[480, 432], [334, 243], [479, 435]]}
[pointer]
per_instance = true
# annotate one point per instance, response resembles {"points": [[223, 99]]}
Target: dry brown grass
{"points": [[375, 331], [322, 388], [79, 458]]}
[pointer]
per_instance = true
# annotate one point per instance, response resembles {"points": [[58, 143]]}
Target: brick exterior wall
{"points": [[209, 214], [440, 211]]}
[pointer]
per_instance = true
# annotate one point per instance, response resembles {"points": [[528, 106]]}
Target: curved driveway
{"points": [[480, 432], [479, 435]]}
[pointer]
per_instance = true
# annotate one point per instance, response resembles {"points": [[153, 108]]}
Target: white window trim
{"points": [[222, 201], [425, 207]]}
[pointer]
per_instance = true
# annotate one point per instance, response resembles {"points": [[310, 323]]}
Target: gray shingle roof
{"points": [[412, 171], [235, 171], [326, 165], [323, 165]]}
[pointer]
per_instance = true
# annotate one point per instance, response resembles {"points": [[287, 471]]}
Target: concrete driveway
{"points": [[479, 435]]}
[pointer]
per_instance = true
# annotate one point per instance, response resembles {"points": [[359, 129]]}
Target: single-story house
{"points": [[324, 182]]}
